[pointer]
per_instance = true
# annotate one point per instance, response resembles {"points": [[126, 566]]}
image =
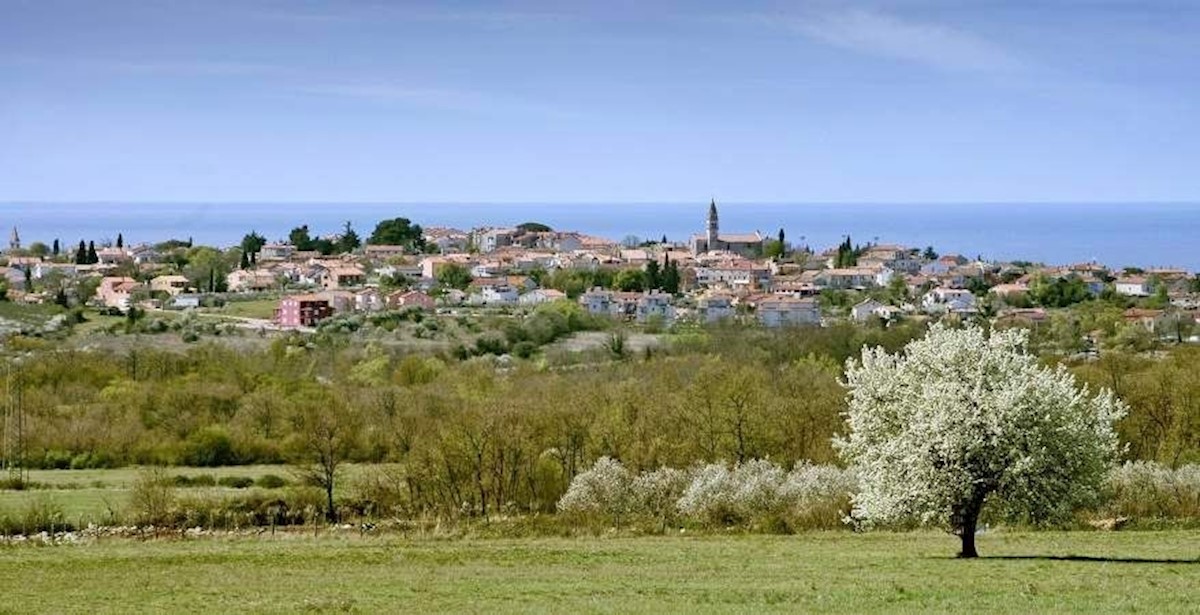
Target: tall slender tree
{"points": [[120, 240], [92, 258], [81, 254], [54, 249]]}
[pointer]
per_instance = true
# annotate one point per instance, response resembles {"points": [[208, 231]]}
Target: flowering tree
{"points": [[959, 420]]}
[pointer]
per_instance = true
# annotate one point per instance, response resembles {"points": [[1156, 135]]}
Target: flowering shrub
{"points": [[657, 493], [1147, 490], [756, 492], [605, 489]]}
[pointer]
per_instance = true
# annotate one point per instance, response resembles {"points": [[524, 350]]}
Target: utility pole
{"points": [[14, 427]]}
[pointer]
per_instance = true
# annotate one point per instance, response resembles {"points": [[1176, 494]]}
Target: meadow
{"points": [[1073, 572]]}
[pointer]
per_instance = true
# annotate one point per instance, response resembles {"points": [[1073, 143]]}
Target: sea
{"points": [[1115, 234]]}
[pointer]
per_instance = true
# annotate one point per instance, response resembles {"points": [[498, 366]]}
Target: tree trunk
{"points": [[968, 541], [965, 522]]}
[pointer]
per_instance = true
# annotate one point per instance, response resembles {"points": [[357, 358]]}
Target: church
{"points": [[745, 244]]}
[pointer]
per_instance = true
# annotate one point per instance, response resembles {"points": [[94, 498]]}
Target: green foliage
{"points": [[774, 249], [534, 227], [630, 280], [453, 275], [152, 498], [208, 447], [1058, 293], [653, 275], [236, 482], [575, 282], [398, 232], [348, 241], [252, 244], [300, 238], [847, 254], [271, 481]]}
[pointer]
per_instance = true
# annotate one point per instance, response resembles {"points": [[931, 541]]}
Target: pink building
{"points": [[302, 311]]}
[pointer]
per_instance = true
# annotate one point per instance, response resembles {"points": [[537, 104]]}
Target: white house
{"points": [[855, 277], [597, 301], [369, 300], [781, 311], [713, 308], [540, 296], [943, 300], [494, 294], [276, 252], [655, 304], [866, 309], [1134, 286]]}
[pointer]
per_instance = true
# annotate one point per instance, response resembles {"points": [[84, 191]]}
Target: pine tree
{"points": [[349, 240], [92, 259], [245, 264]]}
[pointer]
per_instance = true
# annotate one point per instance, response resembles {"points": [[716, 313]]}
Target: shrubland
{"points": [[693, 423]]}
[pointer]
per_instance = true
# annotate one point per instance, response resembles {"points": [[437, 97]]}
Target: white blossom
{"points": [[960, 419]]}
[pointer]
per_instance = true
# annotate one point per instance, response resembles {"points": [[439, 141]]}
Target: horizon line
{"points": [[904, 202]]}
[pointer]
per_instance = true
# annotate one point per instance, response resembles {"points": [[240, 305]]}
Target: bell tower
{"points": [[713, 228]]}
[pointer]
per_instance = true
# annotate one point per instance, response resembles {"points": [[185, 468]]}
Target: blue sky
{"points": [[910, 100]]}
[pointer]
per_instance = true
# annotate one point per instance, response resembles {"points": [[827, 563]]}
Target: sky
{"points": [[617, 101]]}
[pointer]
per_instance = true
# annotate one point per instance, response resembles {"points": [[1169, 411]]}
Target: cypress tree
{"points": [[653, 277], [120, 240], [81, 254], [54, 249], [92, 259]]}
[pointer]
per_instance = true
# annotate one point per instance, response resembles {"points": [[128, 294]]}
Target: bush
{"points": [[604, 489], [1145, 491], [236, 482], [41, 514], [200, 480], [271, 481], [152, 498], [756, 494], [208, 447], [524, 350]]}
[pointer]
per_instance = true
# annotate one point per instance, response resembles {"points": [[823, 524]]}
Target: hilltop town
{"points": [[715, 276]]}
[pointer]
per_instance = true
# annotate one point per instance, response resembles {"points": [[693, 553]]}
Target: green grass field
{"points": [[258, 308], [93, 496], [818, 572]]}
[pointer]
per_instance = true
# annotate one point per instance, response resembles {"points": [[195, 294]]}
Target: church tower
{"points": [[713, 227]]}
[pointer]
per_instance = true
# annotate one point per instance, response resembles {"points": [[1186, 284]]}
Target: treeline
{"points": [[477, 437]]}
